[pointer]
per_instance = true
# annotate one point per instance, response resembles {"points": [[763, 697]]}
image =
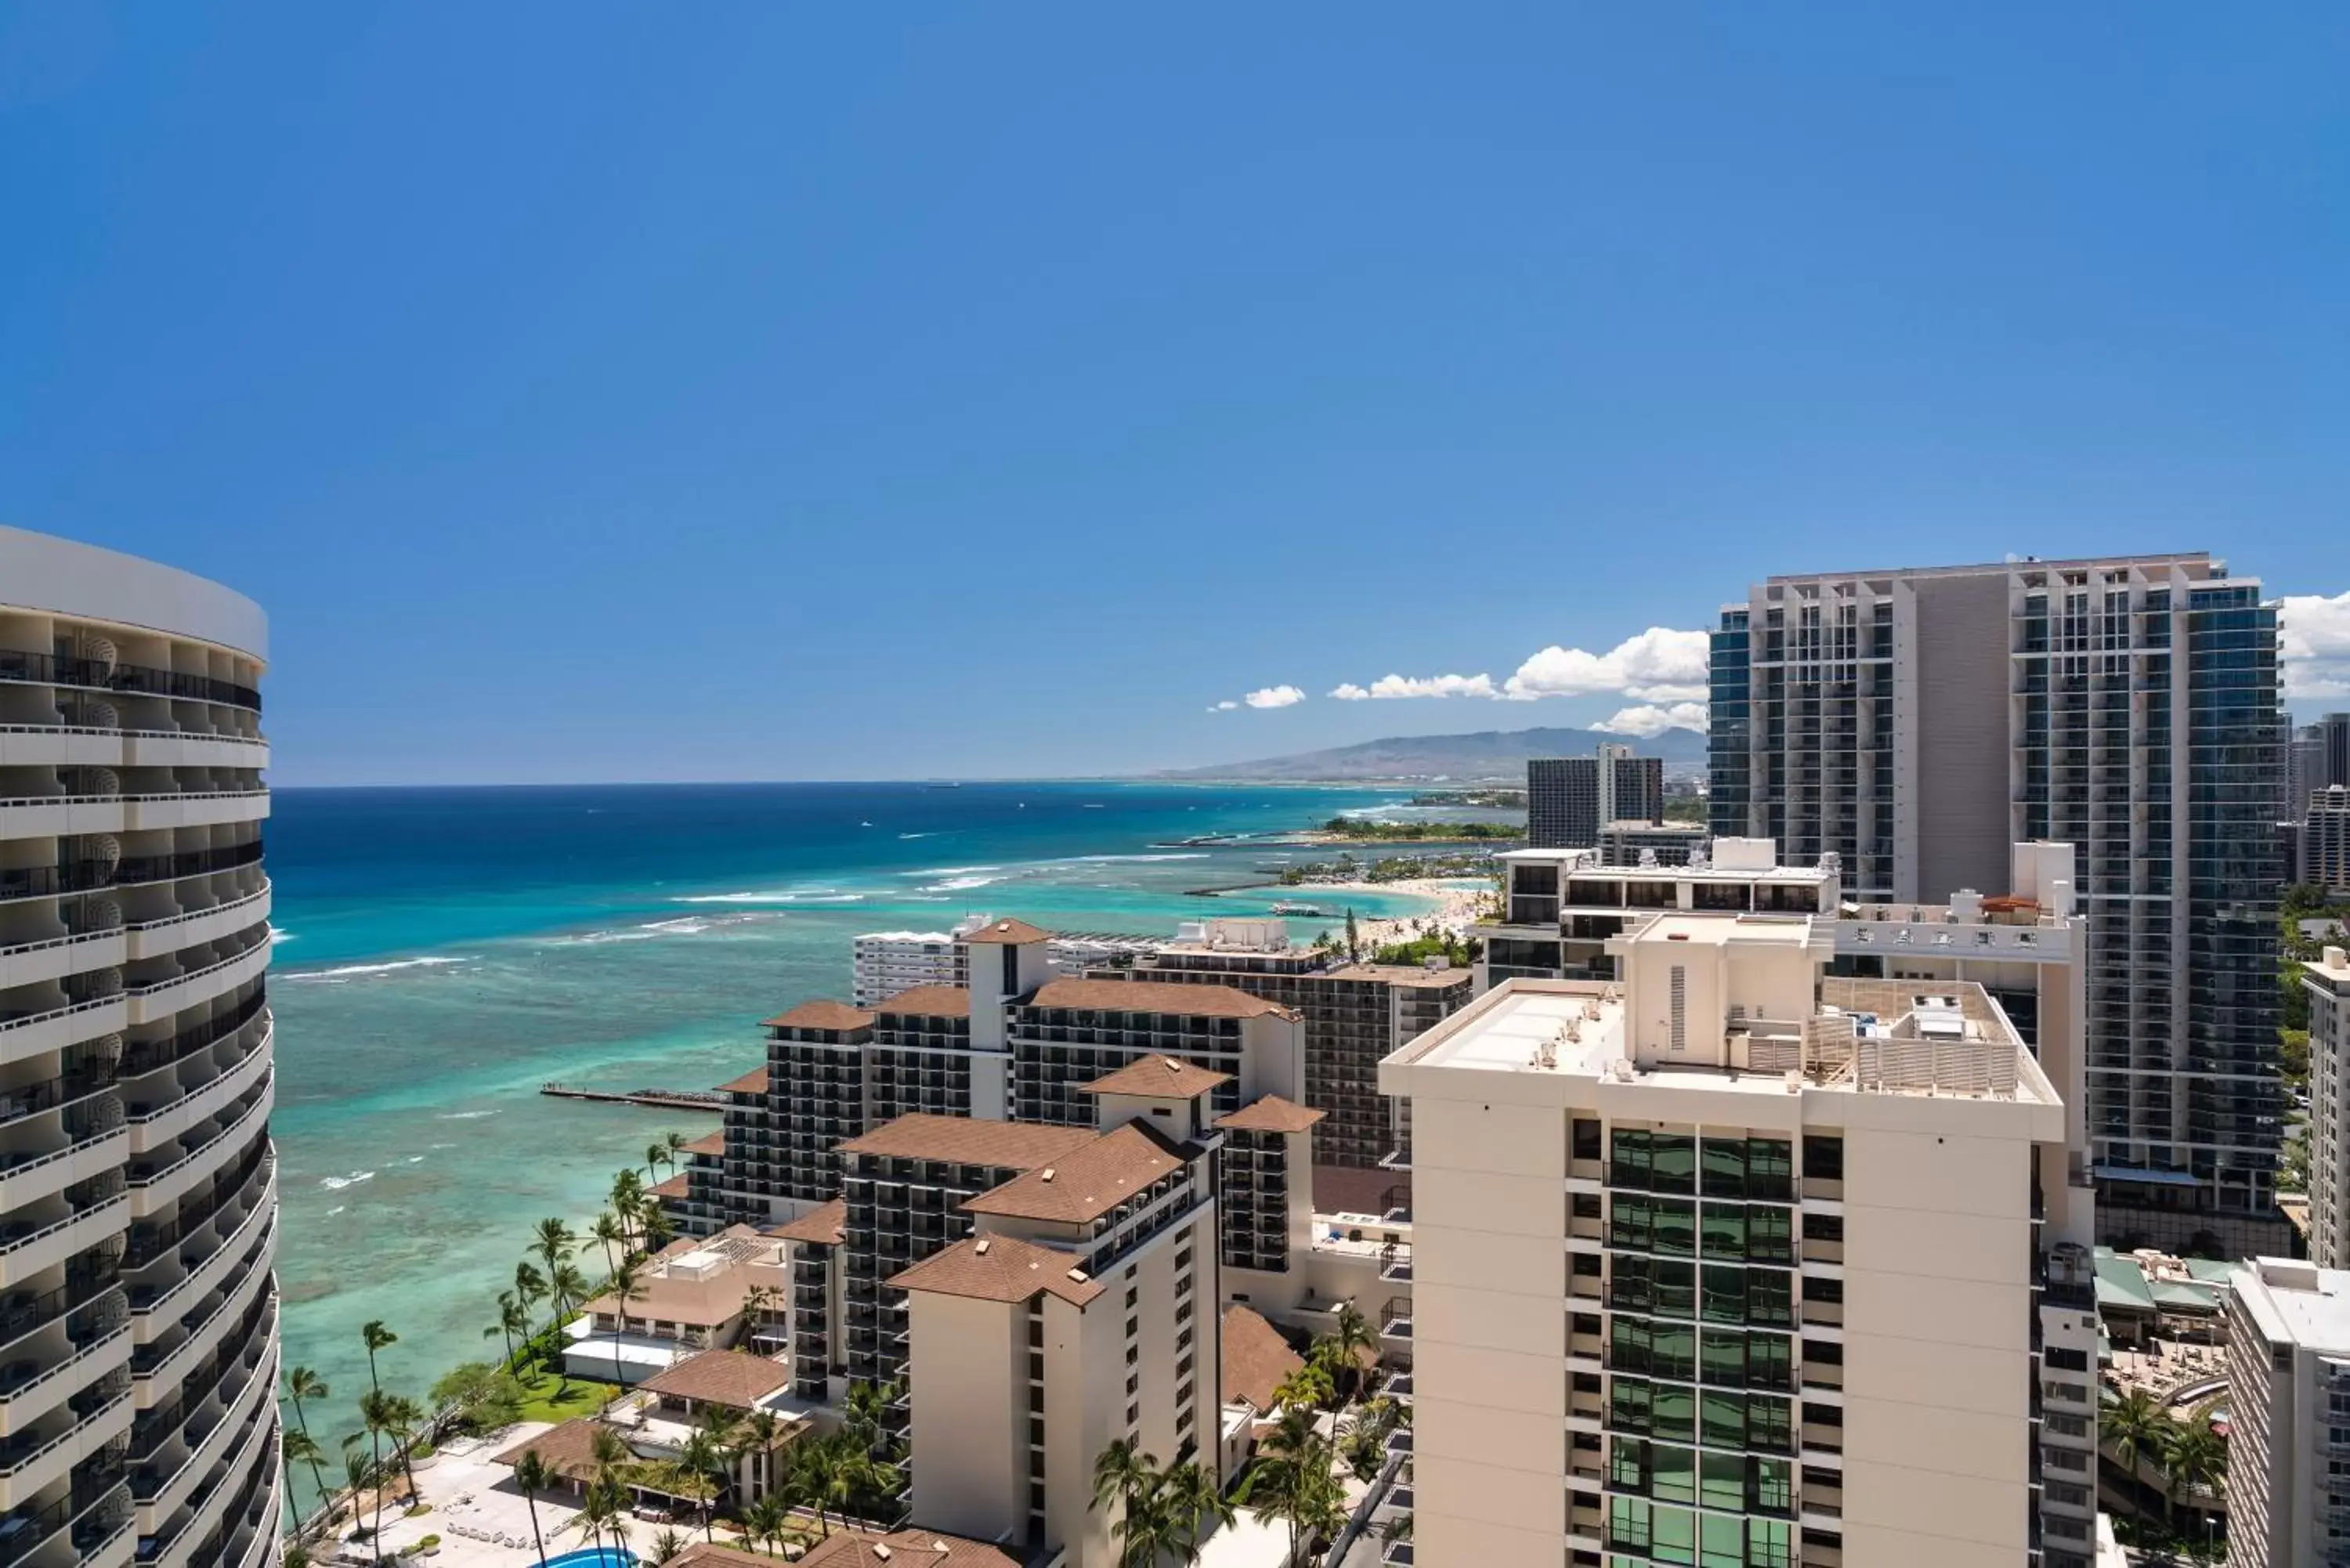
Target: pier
{"points": [[657, 1099]]}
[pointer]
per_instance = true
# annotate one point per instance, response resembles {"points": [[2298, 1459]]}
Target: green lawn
{"points": [[545, 1399]]}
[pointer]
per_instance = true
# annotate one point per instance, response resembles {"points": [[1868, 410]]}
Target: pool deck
{"points": [[474, 1509]]}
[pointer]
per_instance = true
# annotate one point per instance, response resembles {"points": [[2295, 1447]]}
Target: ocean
{"points": [[443, 953]]}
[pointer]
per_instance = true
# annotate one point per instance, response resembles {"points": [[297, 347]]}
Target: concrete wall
{"points": [[969, 1376], [40, 572], [1959, 732]]}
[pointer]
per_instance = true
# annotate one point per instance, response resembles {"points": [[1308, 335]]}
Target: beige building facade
{"points": [[2289, 1416]]}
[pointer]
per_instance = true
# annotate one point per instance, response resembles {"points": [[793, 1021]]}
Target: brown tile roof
{"points": [[753, 1082], [999, 1269], [1155, 996], [1086, 1183], [930, 1002], [1256, 1358], [733, 1379], [1008, 933], [569, 1449], [709, 1143], [1406, 974], [822, 1016], [967, 1140], [678, 1186], [1158, 1075], [907, 1548], [709, 1554], [1272, 1114], [824, 1223]]}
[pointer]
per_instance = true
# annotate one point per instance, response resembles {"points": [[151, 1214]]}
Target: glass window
{"points": [[1627, 1345], [1725, 1294], [1723, 1419], [1629, 1408], [1725, 1232], [1770, 1424], [1631, 1283], [1672, 1158], [1673, 1412], [1770, 1361], [1724, 1361], [1629, 1157], [1823, 1158], [1771, 1169], [1769, 1543], [1627, 1522], [1630, 1222], [1770, 1234], [1721, 1542], [1674, 1474], [1675, 1290], [1672, 1351], [1672, 1535], [1725, 1167], [1723, 1483], [1628, 1465], [1676, 1226], [1770, 1298], [1773, 1491]]}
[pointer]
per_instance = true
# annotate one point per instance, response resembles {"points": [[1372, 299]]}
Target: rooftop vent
{"points": [[980, 1251], [1047, 1174]]}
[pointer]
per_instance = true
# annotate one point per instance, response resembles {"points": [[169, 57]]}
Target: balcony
{"points": [[100, 675], [27, 1247]]}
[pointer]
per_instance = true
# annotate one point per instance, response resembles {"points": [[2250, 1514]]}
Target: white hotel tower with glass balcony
{"points": [[138, 1206]]}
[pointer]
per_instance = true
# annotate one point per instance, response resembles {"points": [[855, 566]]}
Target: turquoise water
{"points": [[443, 953], [595, 1557]]}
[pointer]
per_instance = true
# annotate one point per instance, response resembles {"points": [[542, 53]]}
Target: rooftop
{"points": [[929, 1001], [753, 1082], [1000, 1269], [1256, 1358], [967, 1140], [1149, 1075], [903, 1548], [2297, 1303], [1272, 1114], [1008, 933], [1155, 996], [1405, 974], [731, 1378], [709, 1143], [569, 1449], [820, 1014], [825, 1223], [1086, 1183]]}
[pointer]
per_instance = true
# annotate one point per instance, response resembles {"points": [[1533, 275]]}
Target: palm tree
{"points": [[569, 1287], [767, 1520], [2194, 1457], [1292, 1476], [1309, 1386], [673, 1145], [554, 1242], [2136, 1427], [598, 1509], [375, 1411], [1197, 1497], [755, 1437], [817, 1470], [403, 1416], [355, 1473], [702, 1458], [512, 1320], [604, 1233], [1147, 1529], [1122, 1472], [625, 1288], [660, 1228], [376, 1337], [667, 1543], [628, 1195], [532, 1477], [299, 1448], [655, 1152], [1351, 1337], [529, 1286], [301, 1383], [867, 1406]]}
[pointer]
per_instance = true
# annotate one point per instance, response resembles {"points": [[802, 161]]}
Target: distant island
{"points": [[1487, 756]]}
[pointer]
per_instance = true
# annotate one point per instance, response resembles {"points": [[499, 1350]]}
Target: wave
{"points": [[338, 1209], [1099, 859], [777, 896], [950, 871], [359, 971], [277, 936], [961, 884], [463, 1115], [337, 1183], [932, 833]]}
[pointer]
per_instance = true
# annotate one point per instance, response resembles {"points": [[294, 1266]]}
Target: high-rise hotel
{"points": [[138, 1206], [1917, 723]]}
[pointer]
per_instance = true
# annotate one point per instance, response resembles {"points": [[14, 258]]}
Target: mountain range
{"points": [[1487, 756]]}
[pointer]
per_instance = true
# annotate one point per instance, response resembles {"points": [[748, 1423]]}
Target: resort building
{"points": [[1651, 843], [1726, 1260], [2327, 982], [2289, 1415], [1560, 908], [1916, 723], [1257, 1360], [1354, 1014], [138, 1204], [2325, 839], [886, 963], [694, 1296], [1570, 799]]}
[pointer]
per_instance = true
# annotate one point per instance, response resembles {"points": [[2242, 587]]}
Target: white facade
{"points": [[135, 1067], [2327, 981], [2289, 1434], [888, 962], [1730, 1259]]}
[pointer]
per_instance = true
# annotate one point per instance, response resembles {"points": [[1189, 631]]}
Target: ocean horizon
{"points": [[444, 950]]}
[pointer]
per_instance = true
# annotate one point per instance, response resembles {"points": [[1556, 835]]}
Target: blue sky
{"points": [[609, 392]]}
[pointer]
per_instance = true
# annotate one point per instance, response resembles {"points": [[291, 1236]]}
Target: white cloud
{"points": [[1660, 665], [1274, 697], [1226, 706], [1649, 719], [1389, 688], [2313, 645]]}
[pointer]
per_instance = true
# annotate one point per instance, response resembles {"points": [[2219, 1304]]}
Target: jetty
{"points": [[658, 1099]]}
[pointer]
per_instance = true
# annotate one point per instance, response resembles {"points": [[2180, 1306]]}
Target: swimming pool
{"points": [[595, 1557]]}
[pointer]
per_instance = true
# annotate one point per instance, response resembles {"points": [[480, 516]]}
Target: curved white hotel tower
{"points": [[137, 1209]]}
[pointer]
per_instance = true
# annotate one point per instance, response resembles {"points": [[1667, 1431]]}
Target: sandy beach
{"points": [[1453, 902]]}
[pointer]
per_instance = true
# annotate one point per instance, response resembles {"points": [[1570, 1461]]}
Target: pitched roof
{"points": [[821, 1015], [1155, 996], [824, 1223], [1008, 933], [709, 1143], [999, 1269], [753, 1082], [968, 1140], [1272, 1114], [569, 1449], [1256, 1358], [678, 1186], [711, 1554], [1086, 1182], [907, 1549], [1148, 1075], [730, 1378], [930, 1002]]}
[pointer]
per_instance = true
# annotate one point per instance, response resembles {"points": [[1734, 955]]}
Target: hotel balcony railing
{"points": [[156, 1055], [89, 875], [46, 669]]}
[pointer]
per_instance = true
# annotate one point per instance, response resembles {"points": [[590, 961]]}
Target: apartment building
{"points": [[1081, 1310], [2328, 983], [2288, 1416], [1560, 908], [1634, 844], [138, 1211], [1914, 723], [2324, 839], [1354, 1014], [887, 963], [1569, 800], [1726, 1260]]}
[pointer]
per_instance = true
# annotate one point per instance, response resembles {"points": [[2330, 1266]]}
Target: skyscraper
{"points": [[1917, 723], [1569, 800], [138, 1223]]}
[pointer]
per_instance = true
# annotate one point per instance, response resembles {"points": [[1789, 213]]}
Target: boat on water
{"points": [[1304, 911]]}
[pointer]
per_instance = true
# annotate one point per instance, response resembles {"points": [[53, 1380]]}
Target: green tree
{"points": [[553, 1242], [766, 1520], [2194, 1457], [605, 1233], [485, 1396], [376, 1337], [1196, 1496], [301, 1383], [655, 1152], [667, 1543], [704, 1458], [625, 1288], [299, 1448], [571, 1289], [529, 1286], [531, 1478], [2136, 1426], [1354, 937], [403, 1416], [627, 1197], [513, 1320], [1291, 1481], [1351, 1338], [1148, 1529], [375, 1417]]}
